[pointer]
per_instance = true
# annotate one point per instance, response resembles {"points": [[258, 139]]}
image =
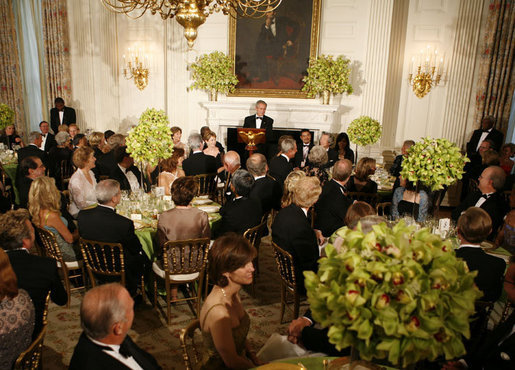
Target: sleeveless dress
{"points": [[166, 179], [71, 252], [210, 357]]}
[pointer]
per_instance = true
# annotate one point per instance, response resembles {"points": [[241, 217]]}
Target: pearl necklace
{"points": [[223, 292]]}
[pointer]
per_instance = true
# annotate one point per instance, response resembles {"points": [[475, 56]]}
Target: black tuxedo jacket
{"points": [[118, 175], [490, 271], [331, 208], [268, 192], [106, 164], [495, 206], [38, 276], [105, 225], [68, 118], [292, 232], [280, 167], [297, 160], [238, 215], [32, 151], [199, 164], [267, 124], [488, 356], [495, 135], [88, 355], [50, 142]]}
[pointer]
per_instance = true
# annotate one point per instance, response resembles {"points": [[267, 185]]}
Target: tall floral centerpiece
{"points": [[6, 116], [213, 72], [434, 162], [151, 140], [327, 76], [393, 293], [364, 131]]}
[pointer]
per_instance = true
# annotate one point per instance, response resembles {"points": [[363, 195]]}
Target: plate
{"points": [[279, 366], [202, 197], [202, 201], [209, 209]]}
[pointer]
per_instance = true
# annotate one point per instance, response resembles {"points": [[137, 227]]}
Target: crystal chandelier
{"points": [[191, 13]]}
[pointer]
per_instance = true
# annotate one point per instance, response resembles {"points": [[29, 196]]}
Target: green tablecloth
{"points": [[10, 169]]}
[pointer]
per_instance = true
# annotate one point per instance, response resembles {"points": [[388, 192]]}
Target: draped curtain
{"points": [[11, 92], [57, 50], [496, 78]]}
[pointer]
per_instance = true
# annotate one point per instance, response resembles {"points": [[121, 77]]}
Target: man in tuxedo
{"points": [[29, 169], [488, 197], [106, 163], [240, 213], [282, 165], [265, 190], [198, 163], [473, 227], [106, 315], [301, 157], [61, 115], [260, 120], [486, 132], [232, 163], [126, 173], [326, 141], [332, 205], [47, 139], [32, 150], [103, 224], [292, 231], [37, 275]]}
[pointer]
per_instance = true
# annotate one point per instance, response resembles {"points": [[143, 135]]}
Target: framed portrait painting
{"points": [[271, 54]]}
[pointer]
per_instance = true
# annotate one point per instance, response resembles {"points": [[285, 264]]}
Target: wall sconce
{"points": [[428, 71], [136, 67]]}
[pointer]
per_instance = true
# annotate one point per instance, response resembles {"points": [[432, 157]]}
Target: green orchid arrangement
{"points": [[434, 162], [214, 71], [393, 293], [327, 74], [364, 131], [151, 140], [6, 116]]}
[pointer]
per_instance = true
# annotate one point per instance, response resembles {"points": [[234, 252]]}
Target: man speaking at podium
{"points": [[259, 120]]}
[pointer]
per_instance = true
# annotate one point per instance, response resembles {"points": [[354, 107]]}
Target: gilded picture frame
{"points": [[271, 54]]}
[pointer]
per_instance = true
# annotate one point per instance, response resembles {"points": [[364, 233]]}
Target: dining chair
{"points": [[286, 269], [73, 272], [254, 235], [207, 184], [190, 347], [384, 209], [183, 263]]}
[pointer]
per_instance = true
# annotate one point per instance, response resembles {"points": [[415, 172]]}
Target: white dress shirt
{"points": [[61, 116], [482, 138], [131, 177], [43, 141], [259, 121], [130, 362]]}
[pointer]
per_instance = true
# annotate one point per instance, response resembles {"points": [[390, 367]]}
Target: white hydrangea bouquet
{"points": [[6, 116], [151, 140], [214, 72], [434, 162], [393, 293]]}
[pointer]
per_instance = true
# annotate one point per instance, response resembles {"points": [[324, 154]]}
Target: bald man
{"points": [[106, 315]]}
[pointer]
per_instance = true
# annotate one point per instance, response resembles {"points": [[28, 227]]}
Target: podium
{"points": [[252, 137]]}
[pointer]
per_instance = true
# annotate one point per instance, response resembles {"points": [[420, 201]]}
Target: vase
{"points": [[213, 95], [326, 97]]}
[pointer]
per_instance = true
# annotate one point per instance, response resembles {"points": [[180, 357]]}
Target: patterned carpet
{"points": [[150, 331]]}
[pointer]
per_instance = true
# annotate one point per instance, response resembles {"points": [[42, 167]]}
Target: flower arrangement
{"points": [[364, 131], [434, 162], [8, 157], [393, 293], [6, 116], [214, 71], [327, 74], [151, 139]]}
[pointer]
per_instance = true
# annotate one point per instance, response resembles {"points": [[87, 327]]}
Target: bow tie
{"points": [[306, 145], [259, 118], [485, 130], [124, 349], [486, 196], [43, 135]]}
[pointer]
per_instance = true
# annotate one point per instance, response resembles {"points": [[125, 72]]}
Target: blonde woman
{"points": [[210, 139], [44, 207], [289, 185], [82, 183], [361, 180]]}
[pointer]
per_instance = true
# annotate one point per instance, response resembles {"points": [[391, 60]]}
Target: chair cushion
{"points": [[72, 265], [181, 277]]}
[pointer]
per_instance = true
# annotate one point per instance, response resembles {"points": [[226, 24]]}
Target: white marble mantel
{"points": [[309, 114]]}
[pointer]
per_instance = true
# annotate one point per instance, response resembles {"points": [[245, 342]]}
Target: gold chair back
{"points": [[286, 269], [189, 345], [103, 259], [384, 209], [254, 235], [207, 184]]}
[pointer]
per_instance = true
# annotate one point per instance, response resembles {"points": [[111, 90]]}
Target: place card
{"points": [[444, 224], [167, 198], [160, 191], [136, 216]]}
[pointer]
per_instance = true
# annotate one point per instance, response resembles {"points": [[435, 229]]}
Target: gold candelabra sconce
{"points": [[135, 66], [426, 70]]}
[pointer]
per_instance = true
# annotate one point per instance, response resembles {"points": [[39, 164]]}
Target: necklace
{"points": [[223, 292]]}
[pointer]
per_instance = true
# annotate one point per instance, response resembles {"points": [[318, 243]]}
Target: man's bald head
{"points": [[256, 165], [342, 170], [231, 161]]}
